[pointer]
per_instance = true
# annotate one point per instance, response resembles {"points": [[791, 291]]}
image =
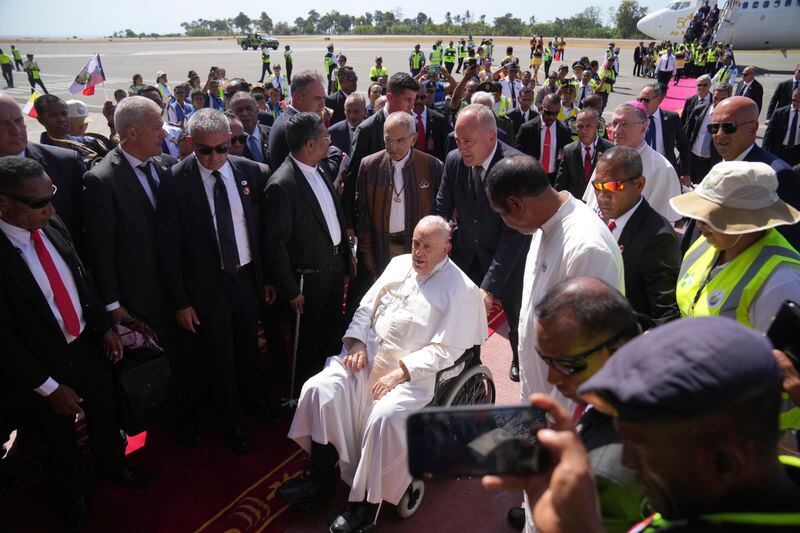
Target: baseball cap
{"points": [[77, 109], [159, 74], [683, 369], [737, 197]]}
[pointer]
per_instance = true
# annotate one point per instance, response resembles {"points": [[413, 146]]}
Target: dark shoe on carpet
{"points": [[238, 441], [353, 518], [513, 372], [74, 512], [128, 476], [307, 491], [516, 518]]}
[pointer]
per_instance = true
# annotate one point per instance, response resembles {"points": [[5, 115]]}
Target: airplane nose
{"points": [[647, 26]]}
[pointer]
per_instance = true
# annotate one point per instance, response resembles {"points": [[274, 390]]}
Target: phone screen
{"points": [[475, 441]]}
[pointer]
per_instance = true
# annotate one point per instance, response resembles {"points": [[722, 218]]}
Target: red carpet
{"points": [[677, 94]]}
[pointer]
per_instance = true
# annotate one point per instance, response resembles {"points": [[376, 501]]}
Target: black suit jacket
{"points": [[516, 117], [295, 232], [187, 238], [638, 52], [689, 105], [692, 131], [121, 231], [776, 130], [340, 136], [66, 170], [278, 148], [367, 140], [570, 171], [755, 92], [652, 257], [674, 137], [529, 140], [266, 118], [451, 143], [265, 133], [436, 131], [481, 233], [34, 346], [335, 101], [781, 97]]}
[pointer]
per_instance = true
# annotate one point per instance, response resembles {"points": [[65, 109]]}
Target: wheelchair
{"points": [[467, 382]]}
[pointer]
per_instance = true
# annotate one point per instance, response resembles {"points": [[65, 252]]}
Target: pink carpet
{"points": [[677, 95]]}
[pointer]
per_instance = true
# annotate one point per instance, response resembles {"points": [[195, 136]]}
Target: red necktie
{"points": [[587, 165], [63, 302], [612, 224], [546, 151], [420, 134], [578, 412]]}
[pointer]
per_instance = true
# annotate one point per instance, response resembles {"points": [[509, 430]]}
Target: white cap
{"points": [[77, 109]]}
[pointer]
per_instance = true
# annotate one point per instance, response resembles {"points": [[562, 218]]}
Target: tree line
{"points": [[588, 23]]}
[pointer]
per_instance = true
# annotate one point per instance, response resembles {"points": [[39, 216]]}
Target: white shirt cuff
{"points": [[47, 388], [113, 306]]}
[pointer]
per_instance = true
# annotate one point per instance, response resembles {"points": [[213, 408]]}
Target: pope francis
{"points": [[418, 318]]}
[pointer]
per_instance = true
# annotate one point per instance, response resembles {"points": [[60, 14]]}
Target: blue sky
{"points": [[92, 18]]}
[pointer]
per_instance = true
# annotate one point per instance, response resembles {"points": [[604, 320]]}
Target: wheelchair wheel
{"points": [[411, 500], [473, 387]]}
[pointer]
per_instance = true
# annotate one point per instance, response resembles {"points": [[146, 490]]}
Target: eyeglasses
{"points": [[241, 139], [206, 150], [37, 203], [727, 127], [613, 185], [568, 366], [644, 100], [549, 113]]}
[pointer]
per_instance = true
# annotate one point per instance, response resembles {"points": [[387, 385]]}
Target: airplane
{"points": [[745, 24]]}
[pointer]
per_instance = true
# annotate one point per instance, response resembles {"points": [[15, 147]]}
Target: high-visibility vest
{"points": [[416, 60], [680, 60], [33, 68], [449, 55], [330, 62], [17, 54], [5, 59], [287, 57], [462, 51], [436, 56], [562, 116], [265, 56], [724, 76], [504, 106], [375, 73], [547, 54], [712, 55]]}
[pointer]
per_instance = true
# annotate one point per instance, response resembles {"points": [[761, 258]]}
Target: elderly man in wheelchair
{"points": [[418, 319]]}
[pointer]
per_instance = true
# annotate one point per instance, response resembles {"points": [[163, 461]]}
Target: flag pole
{"points": [[103, 82]]}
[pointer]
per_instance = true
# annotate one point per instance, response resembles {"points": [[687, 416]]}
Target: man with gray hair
{"points": [[665, 131], [355, 109], [421, 314], [210, 246], [399, 180], [491, 253], [701, 98]]}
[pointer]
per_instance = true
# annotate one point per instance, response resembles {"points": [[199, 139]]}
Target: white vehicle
{"points": [[745, 24]]}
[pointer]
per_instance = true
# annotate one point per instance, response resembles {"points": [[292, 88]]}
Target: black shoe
{"points": [[513, 372], [307, 491], [128, 476], [74, 512], [354, 518], [238, 441], [516, 518]]}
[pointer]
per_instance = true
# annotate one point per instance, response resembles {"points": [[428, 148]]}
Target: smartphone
{"points": [[435, 69], [784, 332], [461, 442]]}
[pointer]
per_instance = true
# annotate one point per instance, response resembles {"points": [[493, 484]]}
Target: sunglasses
{"points": [[241, 139], [549, 113], [37, 203], [613, 185], [644, 100], [568, 366], [726, 127], [206, 150]]}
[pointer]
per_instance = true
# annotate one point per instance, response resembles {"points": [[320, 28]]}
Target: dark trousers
{"points": [[547, 68], [34, 82], [7, 74], [289, 72], [678, 73], [19, 64], [663, 77], [89, 375], [637, 68], [265, 67], [449, 67], [700, 167], [415, 71], [228, 339], [460, 64]]}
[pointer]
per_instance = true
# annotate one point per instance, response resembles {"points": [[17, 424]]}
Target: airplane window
{"points": [[788, 3], [776, 3], [755, 4], [745, 4]]}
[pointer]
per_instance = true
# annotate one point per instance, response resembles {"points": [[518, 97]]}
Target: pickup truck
{"points": [[255, 41]]}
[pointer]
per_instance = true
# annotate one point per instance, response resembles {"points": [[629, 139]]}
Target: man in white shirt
{"points": [[665, 68], [700, 139], [511, 84], [629, 125]]}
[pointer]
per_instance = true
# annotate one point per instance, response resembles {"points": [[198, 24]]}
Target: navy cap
{"points": [[683, 369]]}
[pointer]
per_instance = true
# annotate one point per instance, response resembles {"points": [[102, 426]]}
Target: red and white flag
{"points": [[28, 108], [90, 75]]}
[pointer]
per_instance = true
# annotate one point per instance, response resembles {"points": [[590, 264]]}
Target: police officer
{"points": [[287, 60], [376, 72], [462, 54], [449, 55], [416, 61], [265, 63], [34, 74], [436, 54], [5, 65], [17, 57], [330, 65]]}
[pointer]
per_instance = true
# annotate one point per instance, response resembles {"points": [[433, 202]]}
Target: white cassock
{"points": [[661, 183], [425, 321]]}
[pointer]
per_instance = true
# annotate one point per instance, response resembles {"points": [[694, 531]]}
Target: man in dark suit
{"points": [[64, 166], [638, 58], [750, 87], [544, 137], [348, 84], [783, 93], [701, 98], [304, 235], [432, 127], [209, 237], [703, 152], [342, 133], [524, 111], [650, 249], [665, 132], [308, 94], [52, 327], [782, 137], [256, 147], [488, 251], [580, 157]]}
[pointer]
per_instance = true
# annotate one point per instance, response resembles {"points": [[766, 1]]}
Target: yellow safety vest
{"points": [[449, 55], [573, 112], [33, 68], [416, 60], [265, 56], [462, 51], [329, 62], [505, 106], [375, 73], [436, 56], [5, 59], [17, 54]]}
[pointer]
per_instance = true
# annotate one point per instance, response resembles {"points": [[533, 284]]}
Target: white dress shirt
{"points": [[237, 210], [324, 198], [659, 132], [623, 219], [666, 63], [741, 156], [397, 213], [702, 144], [21, 240], [506, 85], [553, 143], [134, 163], [487, 162]]}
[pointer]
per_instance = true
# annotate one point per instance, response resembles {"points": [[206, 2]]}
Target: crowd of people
{"points": [[213, 211]]}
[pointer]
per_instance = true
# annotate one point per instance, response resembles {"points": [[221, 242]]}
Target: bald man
{"points": [[64, 167], [750, 87], [782, 137]]}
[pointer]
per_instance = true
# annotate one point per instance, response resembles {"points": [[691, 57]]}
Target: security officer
{"points": [[416, 61], [462, 54], [5, 65], [450, 57], [287, 60], [378, 70], [330, 65], [280, 83], [436, 54], [17, 57], [265, 63], [34, 74]]}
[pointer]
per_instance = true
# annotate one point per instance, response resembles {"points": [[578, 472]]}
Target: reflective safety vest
{"points": [[436, 56], [700, 59], [330, 62], [416, 60], [712, 55], [547, 54], [449, 55], [375, 73], [5, 59], [462, 51], [503, 107], [287, 57], [724, 76], [563, 116], [265, 56], [17, 54], [732, 290], [33, 68]]}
